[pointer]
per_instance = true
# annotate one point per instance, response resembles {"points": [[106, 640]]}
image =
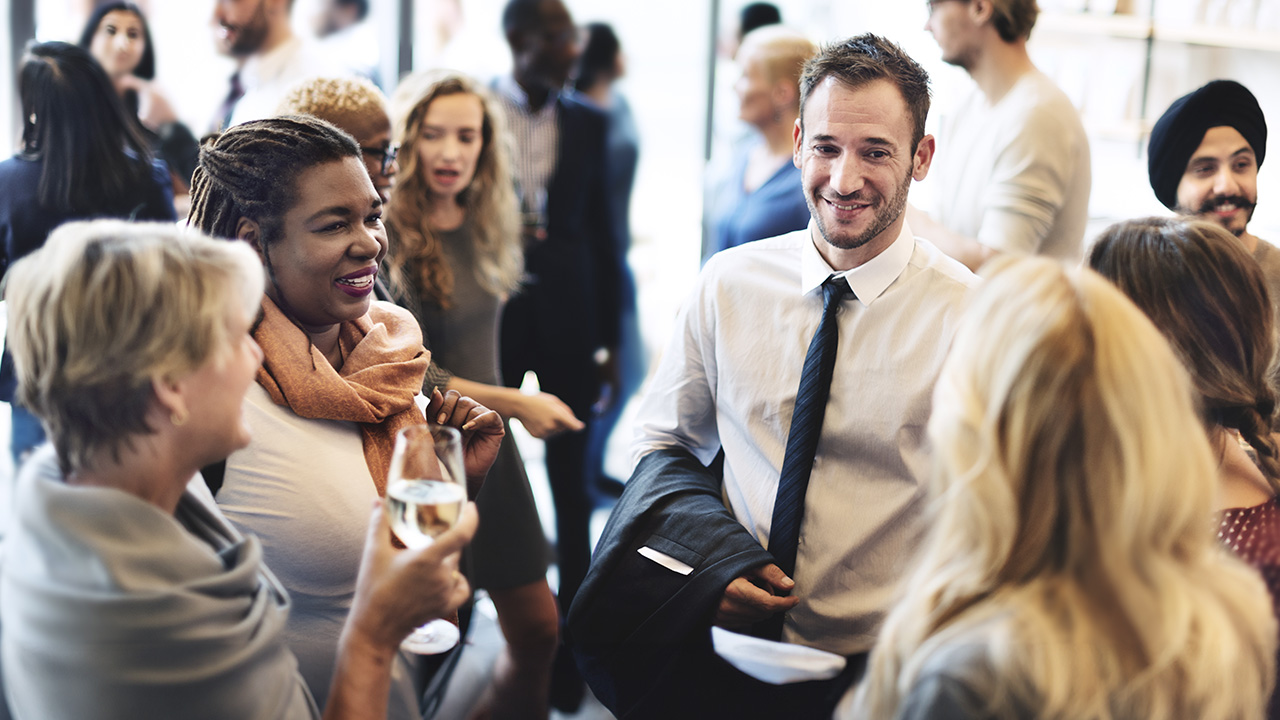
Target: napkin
{"points": [[775, 662]]}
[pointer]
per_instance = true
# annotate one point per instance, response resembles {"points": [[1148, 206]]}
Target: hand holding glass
{"points": [[426, 491]]}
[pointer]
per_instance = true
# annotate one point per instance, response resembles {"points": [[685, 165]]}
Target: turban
{"points": [[1181, 129]]}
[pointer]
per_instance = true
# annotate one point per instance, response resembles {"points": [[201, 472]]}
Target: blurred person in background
{"points": [[761, 196], [729, 132], [1068, 571], [271, 59], [341, 374], [751, 16], [118, 37], [127, 594], [600, 67], [456, 256], [563, 323], [1013, 168], [82, 155]]}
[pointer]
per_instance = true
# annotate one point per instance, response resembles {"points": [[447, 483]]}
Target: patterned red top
{"points": [[1253, 534]]}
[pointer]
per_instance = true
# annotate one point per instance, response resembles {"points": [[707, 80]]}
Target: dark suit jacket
{"points": [[641, 632], [571, 303]]}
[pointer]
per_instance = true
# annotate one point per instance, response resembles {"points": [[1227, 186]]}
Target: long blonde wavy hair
{"points": [[416, 261], [1071, 544]]}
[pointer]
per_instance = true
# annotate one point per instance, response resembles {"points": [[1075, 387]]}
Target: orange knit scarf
{"points": [[382, 371]]}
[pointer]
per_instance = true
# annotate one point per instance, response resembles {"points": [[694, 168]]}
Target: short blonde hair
{"points": [[783, 53], [350, 103], [106, 306], [1071, 546]]}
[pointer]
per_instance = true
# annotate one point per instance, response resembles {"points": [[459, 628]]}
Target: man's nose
{"points": [[1225, 183], [846, 176]]}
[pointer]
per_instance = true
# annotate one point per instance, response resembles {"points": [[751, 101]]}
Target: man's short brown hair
{"points": [[1014, 19], [862, 59]]}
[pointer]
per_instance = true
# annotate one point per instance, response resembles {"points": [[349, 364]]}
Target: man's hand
{"points": [[752, 597], [544, 415], [482, 431]]}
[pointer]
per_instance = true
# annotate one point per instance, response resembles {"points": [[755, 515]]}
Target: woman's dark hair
{"points": [[599, 57], [147, 65], [73, 122], [1208, 297], [251, 171]]}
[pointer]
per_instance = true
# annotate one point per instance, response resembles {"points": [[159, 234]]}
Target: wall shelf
{"points": [[1219, 36], [1137, 27], [1117, 26]]}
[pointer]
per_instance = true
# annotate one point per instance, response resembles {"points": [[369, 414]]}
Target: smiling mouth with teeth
{"points": [[847, 208], [359, 283]]}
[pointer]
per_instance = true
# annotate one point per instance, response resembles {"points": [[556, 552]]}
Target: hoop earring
{"points": [[179, 418]]}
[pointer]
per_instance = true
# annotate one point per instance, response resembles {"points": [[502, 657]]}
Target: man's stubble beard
{"points": [[887, 215]]}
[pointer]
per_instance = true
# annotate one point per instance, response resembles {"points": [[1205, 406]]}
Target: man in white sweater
{"points": [[1012, 171]]}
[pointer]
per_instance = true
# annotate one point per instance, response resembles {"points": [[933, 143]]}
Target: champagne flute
{"points": [[426, 491]]}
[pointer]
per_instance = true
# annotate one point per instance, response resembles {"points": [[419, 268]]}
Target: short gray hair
{"points": [[107, 306]]}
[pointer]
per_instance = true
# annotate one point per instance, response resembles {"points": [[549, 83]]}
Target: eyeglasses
{"points": [[387, 155], [932, 5]]}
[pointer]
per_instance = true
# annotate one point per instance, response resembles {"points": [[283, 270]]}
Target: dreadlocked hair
{"points": [[251, 171]]}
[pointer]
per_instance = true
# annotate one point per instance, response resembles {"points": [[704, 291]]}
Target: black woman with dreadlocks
{"points": [[341, 373]]}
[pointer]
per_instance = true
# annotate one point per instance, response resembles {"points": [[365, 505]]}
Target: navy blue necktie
{"points": [[802, 440]]}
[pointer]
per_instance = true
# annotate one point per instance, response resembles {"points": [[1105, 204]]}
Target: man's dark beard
{"points": [[1210, 206]]}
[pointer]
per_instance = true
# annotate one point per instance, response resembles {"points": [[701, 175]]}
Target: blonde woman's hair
{"points": [[1071, 549], [353, 104], [107, 306], [416, 261], [782, 52]]}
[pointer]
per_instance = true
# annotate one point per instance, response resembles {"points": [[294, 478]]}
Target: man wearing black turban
{"points": [[1203, 161]]}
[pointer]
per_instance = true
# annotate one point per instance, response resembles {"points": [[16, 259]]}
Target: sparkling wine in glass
{"points": [[426, 491]]}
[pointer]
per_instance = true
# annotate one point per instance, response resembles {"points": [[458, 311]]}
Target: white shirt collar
{"points": [[869, 279], [265, 68]]}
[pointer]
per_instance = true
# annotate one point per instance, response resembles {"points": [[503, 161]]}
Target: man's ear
{"points": [[923, 158], [982, 11], [797, 137], [250, 232]]}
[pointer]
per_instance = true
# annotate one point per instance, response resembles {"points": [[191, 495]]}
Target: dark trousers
{"points": [[631, 372], [574, 378]]}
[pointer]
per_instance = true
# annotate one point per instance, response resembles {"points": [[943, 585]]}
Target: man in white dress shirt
{"points": [[729, 377], [272, 59], [1013, 169]]}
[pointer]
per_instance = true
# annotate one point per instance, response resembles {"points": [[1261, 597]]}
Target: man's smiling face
{"points": [[856, 159], [1221, 180]]}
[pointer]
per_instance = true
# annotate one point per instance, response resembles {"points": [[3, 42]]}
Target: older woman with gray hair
{"points": [[126, 592]]}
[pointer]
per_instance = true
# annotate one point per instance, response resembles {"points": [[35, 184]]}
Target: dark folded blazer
{"points": [[641, 633]]}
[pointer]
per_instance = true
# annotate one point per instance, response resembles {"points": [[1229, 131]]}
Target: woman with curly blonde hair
{"points": [[455, 257], [1070, 571]]}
